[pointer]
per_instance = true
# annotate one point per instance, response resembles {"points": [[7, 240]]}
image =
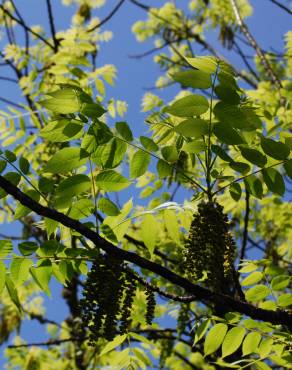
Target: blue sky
{"points": [[268, 25]]}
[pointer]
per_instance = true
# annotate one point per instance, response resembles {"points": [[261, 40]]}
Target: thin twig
{"points": [[52, 25], [254, 44], [245, 229], [7, 101], [24, 25], [108, 17], [280, 5]]}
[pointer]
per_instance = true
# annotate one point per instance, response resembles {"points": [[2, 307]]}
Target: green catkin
{"points": [[102, 296], [183, 318], [129, 294], [150, 305], [210, 247]]}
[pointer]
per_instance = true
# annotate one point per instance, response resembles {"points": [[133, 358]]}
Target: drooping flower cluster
{"points": [[108, 297], [210, 248]]}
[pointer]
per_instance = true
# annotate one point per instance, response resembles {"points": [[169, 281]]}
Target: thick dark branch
{"points": [[55, 342], [52, 25], [280, 5], [245, 230], [254, 44], [108, 17], [202, 294], [24, 25]]}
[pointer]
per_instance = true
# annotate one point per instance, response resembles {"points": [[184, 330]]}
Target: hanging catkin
{"points": [[210, 247]]}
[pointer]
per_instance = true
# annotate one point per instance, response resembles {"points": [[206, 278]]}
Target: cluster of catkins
{"points": [[108, 297], [210, 247]]}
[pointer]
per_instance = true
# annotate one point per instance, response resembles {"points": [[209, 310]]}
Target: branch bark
{"points": [[254, 44], [205, 295]]}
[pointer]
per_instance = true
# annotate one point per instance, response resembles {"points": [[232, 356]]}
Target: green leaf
{"points": [[119, 339], [240, 167], [163, 169], [231, 114], [11, 157], [262, 366], [288, 168], [191, 105], [227, 134], [46, 185], [254, 186], [97, 134], [19, 270], [221, 153], [274, 149], [65, 160], [201, 330], [5, 247], [169, 153], [194, 146], [227, 94], [27, 248], [3, 165], [232, 341], [108, 207], [13, 292], [171, 224], [110, 155], [257, 293], [73, 186], [111, 180], [42, 275], [62, 131], [274, 181], [24, 165], [214, 338], [194, 79], [49, 248], [192, 127], [148, 144], [149, 232], [265, 347], [2, 276], [108, 233], [139, 163], [280, 282], [235, 191], [285, 300], [92, 110], [251, 343], [207, 64], [253, 278], [124, 130], [63, 101], [253, 156], [81, 208]]}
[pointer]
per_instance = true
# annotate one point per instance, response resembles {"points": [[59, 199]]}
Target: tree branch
{"points": [[205, 295], [108, 17], [281, 6], [52, 25], [254, 44], [24, 25], [245, 230]]}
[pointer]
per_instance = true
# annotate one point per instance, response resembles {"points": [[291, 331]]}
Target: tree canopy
{"points": [[172, 249]]}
